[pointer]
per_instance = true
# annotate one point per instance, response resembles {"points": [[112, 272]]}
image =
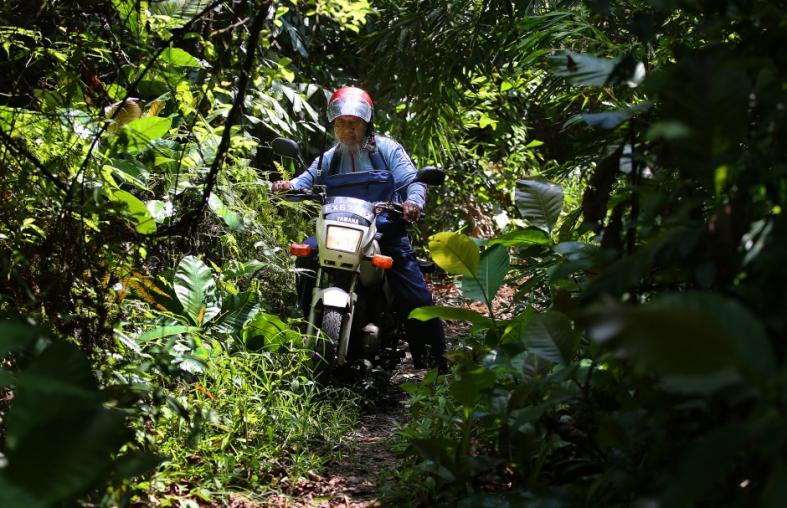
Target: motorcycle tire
{"points": [[327, 346]]}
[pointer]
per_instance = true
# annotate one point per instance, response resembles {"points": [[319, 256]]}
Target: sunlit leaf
{"points": [[166, 331], [451, 313], [522, 237], [267, 330], [196, 289], [155, 107], [232, 219], [160, 210], [455, 253], [142, 131], [179, 57], [136, 211]]}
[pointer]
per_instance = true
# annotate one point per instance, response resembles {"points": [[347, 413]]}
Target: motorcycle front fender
{"points": [[334, 297]]}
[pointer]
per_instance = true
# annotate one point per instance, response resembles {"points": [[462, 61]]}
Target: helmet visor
{"points": [[349, 105]]}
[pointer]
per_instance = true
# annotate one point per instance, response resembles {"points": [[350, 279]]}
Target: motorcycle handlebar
{"points": [[302, 195], [397, 209], [380, 206]]}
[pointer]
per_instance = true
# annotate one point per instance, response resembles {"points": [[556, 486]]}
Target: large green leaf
{"points": [[593, 71], [196, 290], [166, 331], [17, 335], [522, 237], [455, 253], [689, 335], [179, 57], [136, 211], [142, 131], [451, 313], [236, 312], [57, 423], [128, 11], [129, 171], [267, 330], [492, 270], [540, 202], [550, 335]]}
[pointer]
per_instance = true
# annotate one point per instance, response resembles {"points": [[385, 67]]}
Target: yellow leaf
{"points": [[155, 107], [129, 111]]}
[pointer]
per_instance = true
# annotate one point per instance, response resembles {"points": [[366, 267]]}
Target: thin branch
{"points": [[237, 105], [231, 27]]}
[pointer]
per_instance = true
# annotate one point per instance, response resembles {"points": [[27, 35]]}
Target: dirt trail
{"points": [[354, 480]]}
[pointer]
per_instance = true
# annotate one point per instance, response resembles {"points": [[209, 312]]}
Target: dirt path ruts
{"points": [[354, 480]]}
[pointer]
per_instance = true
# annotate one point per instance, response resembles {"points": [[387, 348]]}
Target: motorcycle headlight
{"points": [[343, 239]]}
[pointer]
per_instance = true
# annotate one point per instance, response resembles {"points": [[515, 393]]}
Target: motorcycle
{"points": [[352, 316]]}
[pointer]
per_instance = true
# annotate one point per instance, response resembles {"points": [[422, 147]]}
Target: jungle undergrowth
{"points": [[251, 424]]}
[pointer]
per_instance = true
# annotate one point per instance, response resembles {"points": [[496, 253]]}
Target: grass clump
{"points": [[251, 424]]}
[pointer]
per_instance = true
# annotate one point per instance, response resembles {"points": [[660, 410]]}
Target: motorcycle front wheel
{"points": [[326, 347]]}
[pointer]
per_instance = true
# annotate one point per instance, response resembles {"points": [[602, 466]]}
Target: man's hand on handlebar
{"points": [[281, 186], [411, 211]]}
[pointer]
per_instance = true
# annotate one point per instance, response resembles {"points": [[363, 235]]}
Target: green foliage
{"points": [[59, 423], [619, 163], [249, 419], [455, 253], [640, 360], [196, 290], [539, 202], [135, 212], [492, 269]]}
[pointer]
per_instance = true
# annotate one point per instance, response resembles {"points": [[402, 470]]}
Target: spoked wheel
{"points": [[327, 346]]}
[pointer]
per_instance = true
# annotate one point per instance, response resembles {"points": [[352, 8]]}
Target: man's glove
{"points": [[411, 211], [281, 186]]}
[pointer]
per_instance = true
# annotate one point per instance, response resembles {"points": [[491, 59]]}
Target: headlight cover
{"points": [[343, 239]]}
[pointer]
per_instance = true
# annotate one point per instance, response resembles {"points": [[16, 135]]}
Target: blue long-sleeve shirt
{"points": [[397, 160]]}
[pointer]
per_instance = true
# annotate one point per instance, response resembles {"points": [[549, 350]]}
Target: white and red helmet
{"points": [[349, 100]]}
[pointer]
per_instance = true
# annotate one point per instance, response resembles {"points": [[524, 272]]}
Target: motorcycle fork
{"points": [[311, 329]]}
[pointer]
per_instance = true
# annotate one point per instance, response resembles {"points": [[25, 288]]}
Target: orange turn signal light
{"points": [[384, 262], [300, 249]]}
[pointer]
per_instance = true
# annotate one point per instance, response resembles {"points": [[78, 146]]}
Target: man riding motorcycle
{"points": [[371, 167]]}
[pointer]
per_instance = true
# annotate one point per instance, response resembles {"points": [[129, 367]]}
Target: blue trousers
{"points": [[409, 288]]}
